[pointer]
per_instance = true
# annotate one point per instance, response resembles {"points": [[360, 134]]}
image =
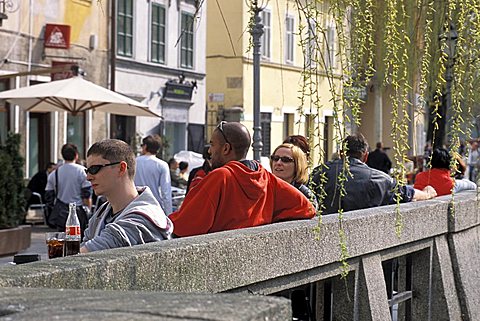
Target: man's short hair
{"points": [[183, 165], [172, 161], [356, 145], [441, 158], [69, 152], [152, 143], [115, 150], [50, 165], [238, 136]]}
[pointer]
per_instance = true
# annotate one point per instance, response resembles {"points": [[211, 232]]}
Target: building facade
{"points": [[150, 50], [40, 41], [160, 60], [230, 73]]}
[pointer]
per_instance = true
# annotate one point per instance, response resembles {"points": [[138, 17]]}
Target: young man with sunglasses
{"points": [[237, 193], [131, 215]]}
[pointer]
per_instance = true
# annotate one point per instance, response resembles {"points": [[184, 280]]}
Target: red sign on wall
{"points": [[57, 36]]}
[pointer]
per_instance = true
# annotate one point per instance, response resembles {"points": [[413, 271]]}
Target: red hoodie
{"points": [[234, 196]]}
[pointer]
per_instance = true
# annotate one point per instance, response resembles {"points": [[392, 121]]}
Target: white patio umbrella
{"points": [[74, 95]]}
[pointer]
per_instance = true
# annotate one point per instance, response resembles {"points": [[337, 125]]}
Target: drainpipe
{"points": [[113, 57], [29, 68], [113, 43]]}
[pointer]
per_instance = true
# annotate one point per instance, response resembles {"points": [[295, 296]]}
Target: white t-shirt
{"points": [[71, 179], [154, 173]]}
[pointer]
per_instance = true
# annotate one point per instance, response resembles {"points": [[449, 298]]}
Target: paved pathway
{"points": [[37, 246]]}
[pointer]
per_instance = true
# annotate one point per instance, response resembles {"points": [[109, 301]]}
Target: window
{"points": [[265, 40], [76, 132], [125, 28], [309, 125], [311, 45], [289, 26], [265, 121], [288, 124], [331, 55], [157, 42], [3, 114], [328, 138], [186, 47]]}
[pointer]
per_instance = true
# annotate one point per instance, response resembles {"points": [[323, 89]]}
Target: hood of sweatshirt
{"points": [[251, 182], [142, 204]]}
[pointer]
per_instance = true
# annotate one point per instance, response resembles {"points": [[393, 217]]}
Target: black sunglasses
{"points": [[285, 159], [94, 169], [220, 128]]}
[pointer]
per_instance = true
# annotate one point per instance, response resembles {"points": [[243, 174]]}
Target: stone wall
{"points": [[272, 258]]}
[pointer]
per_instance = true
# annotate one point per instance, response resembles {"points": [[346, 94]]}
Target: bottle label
{"points": [[72, 230]]}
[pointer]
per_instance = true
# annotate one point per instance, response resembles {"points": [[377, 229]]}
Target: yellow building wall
{"points": [[280, 83], [85, 17]]}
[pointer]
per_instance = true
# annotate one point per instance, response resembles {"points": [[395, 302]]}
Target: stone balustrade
{"points": [[437, 257]]}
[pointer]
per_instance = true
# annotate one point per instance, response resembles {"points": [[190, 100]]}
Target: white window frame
{"points": [[180, 47], [289, 39], [331, 46], [132, 54], [311, 45], [266, 39], [150, 43]]}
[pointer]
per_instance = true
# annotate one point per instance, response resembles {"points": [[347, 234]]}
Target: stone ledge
{"points": [[49, 304], [233, 259], [15, 239], [465, 202]]}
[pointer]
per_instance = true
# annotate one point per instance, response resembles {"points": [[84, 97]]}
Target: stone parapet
{"points": [[53, 304], [281, 256], [227, 260]]}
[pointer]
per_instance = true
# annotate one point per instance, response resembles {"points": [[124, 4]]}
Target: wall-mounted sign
{"points": [[57, 36], [178, 90], [216, 97]]}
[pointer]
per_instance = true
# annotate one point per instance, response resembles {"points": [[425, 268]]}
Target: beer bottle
{"points": [[72, 232]]}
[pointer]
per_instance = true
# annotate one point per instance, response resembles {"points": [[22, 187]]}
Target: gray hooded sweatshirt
{"points": [[142, 221]]}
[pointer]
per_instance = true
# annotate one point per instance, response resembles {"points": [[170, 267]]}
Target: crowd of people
{"points": [[228, 191]]}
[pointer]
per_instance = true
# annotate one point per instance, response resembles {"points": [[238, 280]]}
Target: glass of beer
{"points": [[56, 243]]}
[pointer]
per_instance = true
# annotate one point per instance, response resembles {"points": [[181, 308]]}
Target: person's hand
{"points": [[430, 191]]}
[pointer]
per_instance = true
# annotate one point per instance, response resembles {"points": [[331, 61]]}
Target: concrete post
{"points": [[421, 284], [343, 297], [445, 303], [373, 302]]}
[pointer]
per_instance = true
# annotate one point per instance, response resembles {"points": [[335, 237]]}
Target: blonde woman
{"points": [[289, 163]]}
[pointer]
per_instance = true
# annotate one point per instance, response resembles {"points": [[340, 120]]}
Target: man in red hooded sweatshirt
{"points": [[238, 193]]}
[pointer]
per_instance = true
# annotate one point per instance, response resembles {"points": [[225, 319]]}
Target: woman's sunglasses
{"points": [[94, 169], [284, 159]]}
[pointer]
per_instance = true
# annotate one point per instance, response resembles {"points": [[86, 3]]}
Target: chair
{"points": [[178, 194], [36, 213]]}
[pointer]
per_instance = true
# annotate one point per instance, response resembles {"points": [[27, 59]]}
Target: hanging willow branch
{"points": [[398, 46]]}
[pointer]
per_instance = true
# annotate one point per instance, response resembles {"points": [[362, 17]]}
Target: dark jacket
{"points": [[378, 159], [365, 187]]}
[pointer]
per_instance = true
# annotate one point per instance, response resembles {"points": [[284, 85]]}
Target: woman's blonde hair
{"points": [[300, 173]]}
